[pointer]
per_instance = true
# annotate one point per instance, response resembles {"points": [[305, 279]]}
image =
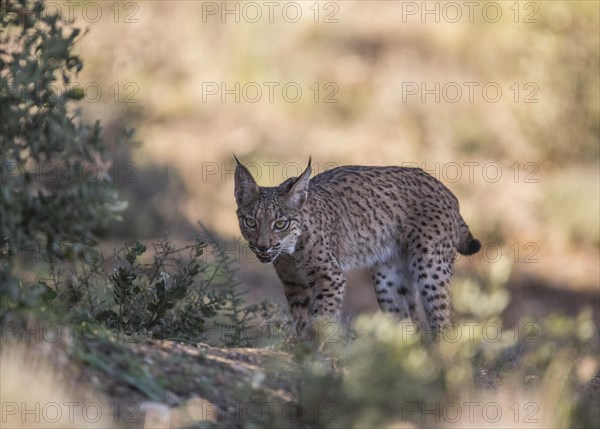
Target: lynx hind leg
{"points": [[430, 266], [394, 291]]}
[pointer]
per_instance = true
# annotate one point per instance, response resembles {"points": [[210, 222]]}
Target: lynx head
{"points": [[270, 217]]}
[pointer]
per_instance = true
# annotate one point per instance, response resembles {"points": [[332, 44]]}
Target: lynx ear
{"points": [[246, 188], [296, 197]]}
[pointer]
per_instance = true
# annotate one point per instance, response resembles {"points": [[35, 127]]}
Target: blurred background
{"points": [[498, 100]]}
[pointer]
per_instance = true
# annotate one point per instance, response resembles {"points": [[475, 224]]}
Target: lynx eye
{"points": [[281, 225], [249, 222]]}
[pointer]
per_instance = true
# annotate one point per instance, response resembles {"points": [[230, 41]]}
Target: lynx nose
{"points": [[262, 249]]}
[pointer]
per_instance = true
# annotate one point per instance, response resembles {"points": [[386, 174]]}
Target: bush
{"points": [[540, 372], [177, 296], [50, 206], [47, 199]]}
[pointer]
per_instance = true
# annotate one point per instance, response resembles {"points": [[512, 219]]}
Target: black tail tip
{"points": [[474, 247]]}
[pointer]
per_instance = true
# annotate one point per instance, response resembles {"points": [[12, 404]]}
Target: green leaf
{"points": [[134, 252], [48, 293], [75, 93], [106, 315]]}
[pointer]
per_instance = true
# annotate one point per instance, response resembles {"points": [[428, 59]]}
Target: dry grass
{"points": [[40, 388]]}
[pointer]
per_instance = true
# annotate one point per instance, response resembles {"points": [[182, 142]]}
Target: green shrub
{"points": [[539, 372], [178, 296], [183, 293], [50, 206], [48, 197]]}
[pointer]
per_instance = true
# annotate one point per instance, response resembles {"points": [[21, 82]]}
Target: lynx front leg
{"points": [[328, 287], [299, 300], [328, 294], [298, 295], [313, 294]]}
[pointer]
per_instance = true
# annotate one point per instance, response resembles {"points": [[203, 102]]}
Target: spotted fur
{"points": [[400, 222]]}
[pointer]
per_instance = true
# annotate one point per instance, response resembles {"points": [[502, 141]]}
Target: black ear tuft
{"points": [[246, 189], [298, 193], [474, 246]]}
